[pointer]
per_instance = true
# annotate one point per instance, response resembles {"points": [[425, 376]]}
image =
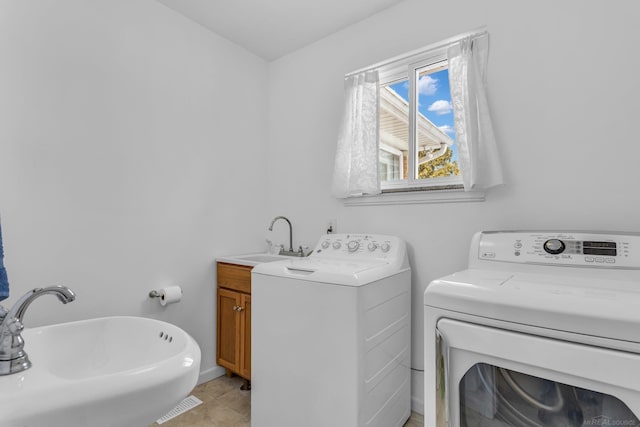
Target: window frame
{"points": [[393, 152], [408, 68]]}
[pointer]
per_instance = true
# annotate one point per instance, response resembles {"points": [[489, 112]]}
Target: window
{"points": [[397, 131], [416, 123]]}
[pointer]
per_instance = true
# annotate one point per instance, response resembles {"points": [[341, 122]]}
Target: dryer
{"points": [[542, 329], [331, 335]]}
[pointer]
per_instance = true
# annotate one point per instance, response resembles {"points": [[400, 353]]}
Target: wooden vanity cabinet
{"points": [[233, 349]]}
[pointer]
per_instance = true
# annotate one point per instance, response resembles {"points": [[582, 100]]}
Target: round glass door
{"points": [[493, 396]]}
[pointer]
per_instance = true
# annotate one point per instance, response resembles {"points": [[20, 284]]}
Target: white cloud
{"points": [[427, 85], [447, 129], [441, 107]]}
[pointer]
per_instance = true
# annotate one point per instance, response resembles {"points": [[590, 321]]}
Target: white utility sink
{"points": [[254, 259], [262, 257], [111, 371]]}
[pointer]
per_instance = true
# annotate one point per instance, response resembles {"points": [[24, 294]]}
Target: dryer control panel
{"points": [[583, 249]]}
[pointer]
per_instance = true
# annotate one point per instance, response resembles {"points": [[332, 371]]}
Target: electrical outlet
{"points": [[332, 227]]}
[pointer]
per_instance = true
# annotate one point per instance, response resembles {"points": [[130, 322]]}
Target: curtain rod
{"points": [[476, 33]]}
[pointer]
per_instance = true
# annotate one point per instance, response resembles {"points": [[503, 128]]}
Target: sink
{"points": [[254, 259], [110, 371], [260, 258]]}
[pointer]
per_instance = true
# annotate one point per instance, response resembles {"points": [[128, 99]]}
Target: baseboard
{"points": [[417, 392], [210, 374]]}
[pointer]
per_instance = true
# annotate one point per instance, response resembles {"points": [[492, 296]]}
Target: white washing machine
{"points": [[542, 329], [331, 336]]}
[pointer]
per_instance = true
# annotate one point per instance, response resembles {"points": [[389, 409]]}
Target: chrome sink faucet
{"points": [[12, 355], [290, 252]]}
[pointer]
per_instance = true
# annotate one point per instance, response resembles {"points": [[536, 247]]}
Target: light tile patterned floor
{"points": [[225, 405]]}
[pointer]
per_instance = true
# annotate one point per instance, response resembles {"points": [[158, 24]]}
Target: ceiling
{"points": [[274, 28]]}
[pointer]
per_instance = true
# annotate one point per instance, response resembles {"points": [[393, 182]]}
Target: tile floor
{"points": [[225, 405]]}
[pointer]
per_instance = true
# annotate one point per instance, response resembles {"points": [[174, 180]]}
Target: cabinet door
{"points": [[228, 340], [245, 328]]}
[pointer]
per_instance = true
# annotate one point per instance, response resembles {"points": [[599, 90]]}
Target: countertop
{"points": [[252, 259]]}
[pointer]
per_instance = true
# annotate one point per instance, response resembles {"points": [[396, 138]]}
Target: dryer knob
{"points": [[325, 244], [554, 246], [336, 245], [372, 246], [385, 247], [353, 245]]}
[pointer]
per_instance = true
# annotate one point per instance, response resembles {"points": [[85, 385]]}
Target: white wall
{"points": [[130, 157], [563, 90]]}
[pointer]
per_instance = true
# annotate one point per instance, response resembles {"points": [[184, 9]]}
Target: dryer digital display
{"points": [[600, 248]]}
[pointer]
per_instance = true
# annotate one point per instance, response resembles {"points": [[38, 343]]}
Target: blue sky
{"points": [[434, 101]]}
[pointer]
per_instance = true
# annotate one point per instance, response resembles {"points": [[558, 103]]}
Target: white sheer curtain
{"points": [[356, 163], [477, 149]]}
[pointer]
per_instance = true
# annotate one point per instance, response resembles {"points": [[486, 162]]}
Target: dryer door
{"points": [[494, 377]]}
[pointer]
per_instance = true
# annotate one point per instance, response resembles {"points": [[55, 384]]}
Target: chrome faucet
{"points": [[12, 355], [290, 252]]}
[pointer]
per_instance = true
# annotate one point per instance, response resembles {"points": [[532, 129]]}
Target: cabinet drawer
{"points": [[236, 277]]}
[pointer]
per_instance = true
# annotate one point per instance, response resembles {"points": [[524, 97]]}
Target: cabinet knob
{"points": [[240, 308], [237, 308]]}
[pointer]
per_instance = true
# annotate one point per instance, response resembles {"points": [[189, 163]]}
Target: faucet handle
{"points": [[15, 326]]}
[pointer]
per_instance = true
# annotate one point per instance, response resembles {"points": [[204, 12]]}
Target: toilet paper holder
{"points": [[168, 295]]}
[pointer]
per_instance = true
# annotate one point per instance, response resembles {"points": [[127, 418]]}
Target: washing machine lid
{"points": [[326, 270], [580, 304]]}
